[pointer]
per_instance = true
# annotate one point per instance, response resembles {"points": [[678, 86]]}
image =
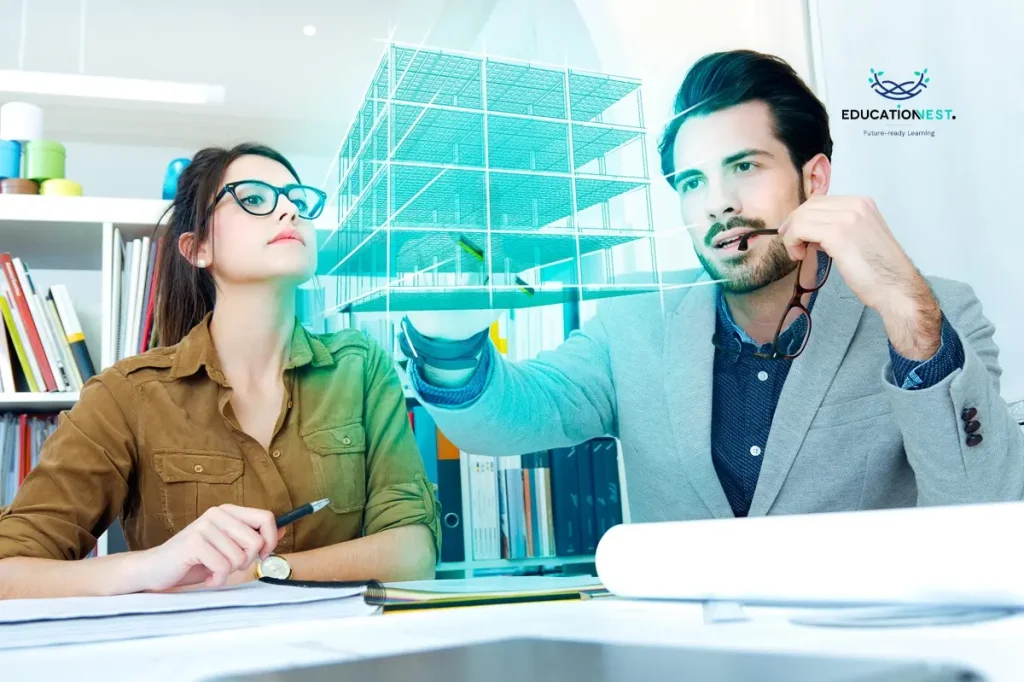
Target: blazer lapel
{"points": [[835, 317], [689, 380]]}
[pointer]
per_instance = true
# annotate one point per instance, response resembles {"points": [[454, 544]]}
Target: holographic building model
{"points": [[470, 182]]}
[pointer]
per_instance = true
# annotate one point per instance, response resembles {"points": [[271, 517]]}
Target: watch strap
{"points": [[422, 350]]}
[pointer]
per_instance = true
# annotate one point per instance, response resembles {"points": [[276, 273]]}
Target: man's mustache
{"points": [[732, 223]]}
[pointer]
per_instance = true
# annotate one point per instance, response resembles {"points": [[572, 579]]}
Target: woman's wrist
{"points": [[125, 573]]}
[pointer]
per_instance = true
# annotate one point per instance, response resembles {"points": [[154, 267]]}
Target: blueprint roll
{"points": [[956, 555]]}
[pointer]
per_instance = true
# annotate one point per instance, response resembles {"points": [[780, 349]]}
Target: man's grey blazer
{"points": [[844, 436]]}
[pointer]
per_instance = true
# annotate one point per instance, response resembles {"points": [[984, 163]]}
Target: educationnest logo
{"points": [[890, 89], [900, 120]]}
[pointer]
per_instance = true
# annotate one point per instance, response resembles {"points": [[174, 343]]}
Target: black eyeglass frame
{"points": [[795, 302], [230, 188]]}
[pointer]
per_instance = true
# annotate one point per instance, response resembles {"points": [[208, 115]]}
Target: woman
{"points": [[239, 416]]}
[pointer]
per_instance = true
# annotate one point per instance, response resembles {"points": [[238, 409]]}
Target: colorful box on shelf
{"points": [[19, 186], [21, 121], [42, 160], [10, 159], [60, 187]]}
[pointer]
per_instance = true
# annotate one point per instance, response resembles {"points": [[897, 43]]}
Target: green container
{"points": [[42, 160]]}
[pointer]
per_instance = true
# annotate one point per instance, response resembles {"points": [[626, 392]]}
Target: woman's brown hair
{"points": [[185, 293]]}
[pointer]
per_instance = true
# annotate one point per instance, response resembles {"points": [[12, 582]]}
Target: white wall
{"points": [[658, 41], [951, 200], [137, 172], [655, 41]]}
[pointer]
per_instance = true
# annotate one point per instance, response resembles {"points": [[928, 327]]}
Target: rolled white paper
{"points": [[21, 121], [956, 555]]}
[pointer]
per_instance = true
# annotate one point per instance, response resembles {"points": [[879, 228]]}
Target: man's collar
{"points": [[197, 351], [727, 325]]}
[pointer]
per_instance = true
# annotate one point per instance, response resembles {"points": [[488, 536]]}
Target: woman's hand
{"points": [[212, 551]]}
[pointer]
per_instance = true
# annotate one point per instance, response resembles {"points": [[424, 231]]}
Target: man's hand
{"points": [[853, 232]]}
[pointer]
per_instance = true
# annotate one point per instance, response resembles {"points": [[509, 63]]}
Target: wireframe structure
{"points": [[469, 181]]}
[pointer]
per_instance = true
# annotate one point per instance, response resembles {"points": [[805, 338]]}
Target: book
{"points": [[73, 331], [435, 594], [449, 494], [22, 314], [40, 321], [7, 384], [29, 366]]}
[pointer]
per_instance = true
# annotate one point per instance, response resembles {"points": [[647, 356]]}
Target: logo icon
{"points": [[893, 90]]}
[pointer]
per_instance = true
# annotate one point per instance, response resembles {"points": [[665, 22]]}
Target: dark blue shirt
{"points": [[747, 388]]}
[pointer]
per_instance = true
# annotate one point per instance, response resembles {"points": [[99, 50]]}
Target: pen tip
{"points": [[320, 504]]}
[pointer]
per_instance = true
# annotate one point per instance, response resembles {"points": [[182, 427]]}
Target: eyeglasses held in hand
{"points": [[795, 302], [260, 198]]}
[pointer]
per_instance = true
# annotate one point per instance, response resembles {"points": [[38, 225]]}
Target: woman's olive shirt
{"points": [[153, 440]]}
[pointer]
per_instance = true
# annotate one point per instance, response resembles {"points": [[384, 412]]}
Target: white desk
{"points": [[993, 648]]}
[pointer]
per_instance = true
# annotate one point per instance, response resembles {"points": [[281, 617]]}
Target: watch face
{"points": [[275, 567]]}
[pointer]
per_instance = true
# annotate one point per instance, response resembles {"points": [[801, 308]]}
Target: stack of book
{"points": [[21, 439], [133, 293], [42, 347], [553, 503]]}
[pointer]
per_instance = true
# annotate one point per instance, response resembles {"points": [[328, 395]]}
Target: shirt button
{"points": [[762, 375], [755, 451], [275, 454], [198, 468], [289, 404], [346, 440]]}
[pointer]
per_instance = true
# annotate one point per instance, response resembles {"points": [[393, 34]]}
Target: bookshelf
{"points": [[37, 402], [63, 240]]}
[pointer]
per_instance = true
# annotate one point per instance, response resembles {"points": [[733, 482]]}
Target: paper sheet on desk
{"points": [[48, 622], [950, 556]]}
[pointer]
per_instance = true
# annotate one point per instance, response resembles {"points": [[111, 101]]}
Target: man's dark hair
{"points": [[725, 79]]}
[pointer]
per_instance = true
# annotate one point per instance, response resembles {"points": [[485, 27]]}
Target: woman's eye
{"points": [[253, 200], [300, 205]]}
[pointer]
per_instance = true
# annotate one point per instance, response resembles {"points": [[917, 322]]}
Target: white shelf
{"points": [[37, 402], [63, 233], [56, 209]]}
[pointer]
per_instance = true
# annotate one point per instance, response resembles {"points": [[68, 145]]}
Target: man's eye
{"points": [[744, 166], [689, 185]]}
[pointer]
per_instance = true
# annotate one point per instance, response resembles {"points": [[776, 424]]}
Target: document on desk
{"points": [[78, 620]]}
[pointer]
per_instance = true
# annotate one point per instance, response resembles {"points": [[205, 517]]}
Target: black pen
{"points": [[305, 510]]}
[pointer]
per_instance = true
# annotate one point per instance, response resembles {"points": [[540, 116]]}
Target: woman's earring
{"points": [[200, 263]]}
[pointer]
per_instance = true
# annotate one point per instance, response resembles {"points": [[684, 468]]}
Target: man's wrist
{"points": [[913, 322]]}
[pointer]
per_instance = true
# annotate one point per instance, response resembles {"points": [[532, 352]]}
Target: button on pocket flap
{"points": [[178, 467], [350, 438]]}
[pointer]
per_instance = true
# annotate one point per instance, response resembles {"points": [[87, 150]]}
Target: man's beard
{"points": [[743, 276]]}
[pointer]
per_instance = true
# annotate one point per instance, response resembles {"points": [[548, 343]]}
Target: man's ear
{"points": [[816, 176], [196, 254]]}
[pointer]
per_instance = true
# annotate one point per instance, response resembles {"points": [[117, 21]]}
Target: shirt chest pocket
{"points": [[195, 480], [339, 465]]}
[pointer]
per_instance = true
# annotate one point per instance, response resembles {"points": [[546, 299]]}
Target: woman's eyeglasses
{"points": [[795, 303], [259, 198]]}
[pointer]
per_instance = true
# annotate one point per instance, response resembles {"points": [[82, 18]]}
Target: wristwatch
{"points": [[274, 566], [422, 350]]}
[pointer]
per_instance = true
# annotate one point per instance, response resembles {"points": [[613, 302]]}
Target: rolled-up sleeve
{"points": [[81, 481], [399, 493]]}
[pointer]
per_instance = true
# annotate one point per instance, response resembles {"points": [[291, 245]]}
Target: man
{"points": [[731, 403]]}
